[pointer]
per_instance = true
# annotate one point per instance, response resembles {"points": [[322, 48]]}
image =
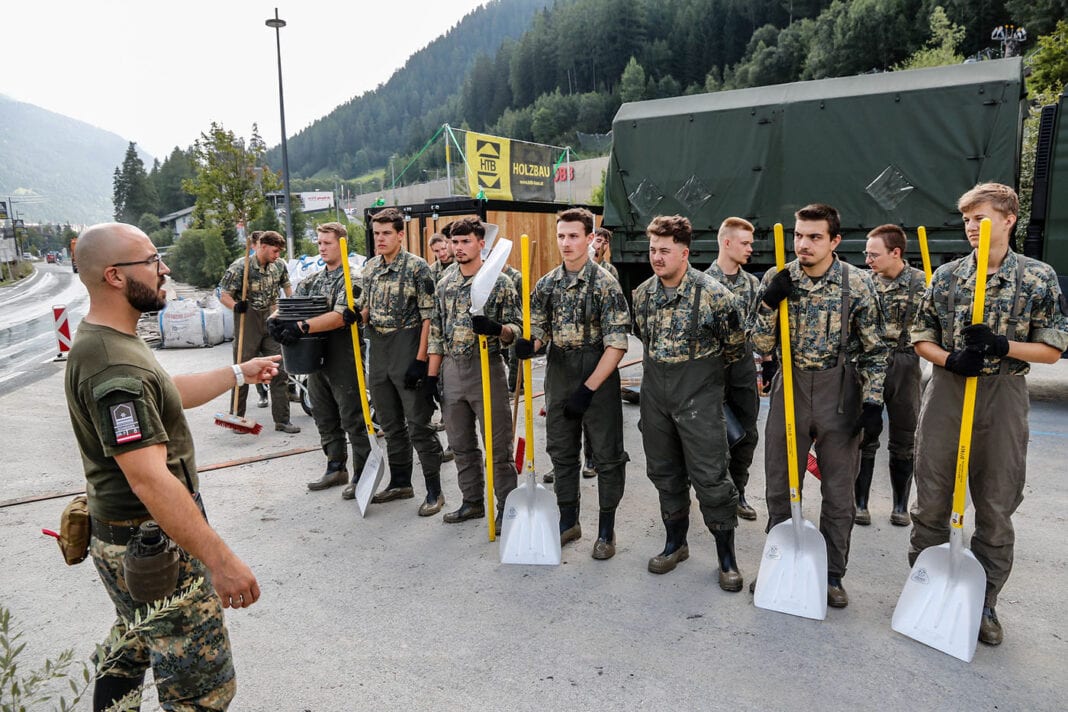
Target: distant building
{"points": [[178, 221]]}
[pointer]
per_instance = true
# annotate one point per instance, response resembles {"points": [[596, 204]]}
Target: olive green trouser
{"points": [[997, 468], [403, 414], [565, 372], [187, 648], [817, 395], [462, 406], [740, 393], [336, 405], [258, 342], [685, 438], [901, 393]]}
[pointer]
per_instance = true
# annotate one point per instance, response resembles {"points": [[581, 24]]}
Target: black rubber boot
{"points": [[605, 546], [675, 548], [729, 577], [768, 369], [862, 490], [109, 689], [335, 474], [569, 524], [400, 485], [901, 486]]}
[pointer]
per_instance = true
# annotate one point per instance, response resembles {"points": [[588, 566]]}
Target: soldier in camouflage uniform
{"points": [[516, 278], [839, 363], [128, 420], [580, 311], [735, 240], [334, 390], [454, 355], [691, 327], [1025, 322], [602, 237], [899, 288], [442, 249], [398, 293], [266, 276]]}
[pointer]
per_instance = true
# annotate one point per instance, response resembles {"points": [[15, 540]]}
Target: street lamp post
{"points": [[278, 23]]}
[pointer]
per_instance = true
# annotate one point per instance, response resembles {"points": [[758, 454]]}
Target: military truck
{"points": [[897, 147]]}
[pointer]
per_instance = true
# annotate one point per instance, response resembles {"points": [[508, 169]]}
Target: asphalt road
{"points": [[397, 612]]}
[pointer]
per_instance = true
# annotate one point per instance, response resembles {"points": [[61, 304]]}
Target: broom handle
{"points": [[487, 423], [787, 376], [925, 253], [356, 350], [967, 416], [241, 324], [528, 396]]}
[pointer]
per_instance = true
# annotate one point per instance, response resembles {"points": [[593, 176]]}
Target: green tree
{"points": [[941, 48], [199, 258], [1049, 64], [231, 181], [632, 82], [148, 222], [168, 177], [132, 193]]}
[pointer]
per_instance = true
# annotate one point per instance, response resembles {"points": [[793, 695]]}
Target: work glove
{"points": [[578, 403], [965, 362], [524, 348], [415, 373], [484, 326], [982, 338], [779, 288], [240, 306], [429, 390], [350, 317], [871, 422], [284, 332]]}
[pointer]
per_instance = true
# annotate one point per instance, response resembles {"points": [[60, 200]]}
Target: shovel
{"points": [[376, 466], [530, 533], [942, 602], [793, 568], [481, 286], [921, 233]]}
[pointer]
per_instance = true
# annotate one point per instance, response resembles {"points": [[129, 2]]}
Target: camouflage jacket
{"points": [[1039, 303], [610, 268], [437, 269], [899, 302], [264, 283], [815, 310], [398, 295], [559, 314], [743, 285], [515, 276], [329, 284], [680, 328], [450, 328]]}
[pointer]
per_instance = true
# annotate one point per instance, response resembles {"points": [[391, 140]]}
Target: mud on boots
{"points": [[570, 529], [729, 577], [676, 549], [605, 546]]}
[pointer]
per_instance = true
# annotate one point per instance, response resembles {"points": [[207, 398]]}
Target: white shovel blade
{"points": [[530, 533], [373, 470], [793, 571], [486, 277], [942, 602]]}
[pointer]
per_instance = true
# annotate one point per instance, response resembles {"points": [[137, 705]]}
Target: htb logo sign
{"points": [[488, 154]]}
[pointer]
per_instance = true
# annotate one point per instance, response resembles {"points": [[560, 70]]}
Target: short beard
{"points": [[144, 299]]}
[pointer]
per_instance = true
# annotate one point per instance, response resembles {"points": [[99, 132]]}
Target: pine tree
{"points": [[133, 194]]}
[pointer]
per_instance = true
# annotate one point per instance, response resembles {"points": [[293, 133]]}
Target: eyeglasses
{"points": [[155, 259], [871, 255]]}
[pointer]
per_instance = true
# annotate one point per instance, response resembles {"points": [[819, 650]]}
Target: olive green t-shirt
{"points": [[120, 399]]}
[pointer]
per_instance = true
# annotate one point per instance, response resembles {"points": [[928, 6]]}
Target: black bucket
{"points": [[304, 356]]}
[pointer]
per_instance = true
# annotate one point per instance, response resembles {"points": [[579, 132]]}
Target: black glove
{"points": [[871, 422], [578, 403], [485, 326], [779, 288], [240, 306], [284, 332], [984, 340], [415, 373], [965, 362], [429, 390], [524, 348], [350, 317]]}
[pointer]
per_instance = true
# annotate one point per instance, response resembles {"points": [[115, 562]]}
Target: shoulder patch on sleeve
{"points": [[124, 422]]}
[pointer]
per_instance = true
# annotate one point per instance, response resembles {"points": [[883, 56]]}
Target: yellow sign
{"points": [[488, 166]]}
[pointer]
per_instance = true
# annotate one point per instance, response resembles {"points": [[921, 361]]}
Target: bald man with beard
{"points": [[137, 451]]}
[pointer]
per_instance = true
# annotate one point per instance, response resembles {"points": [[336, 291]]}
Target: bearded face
{"points": [[143, 298]]}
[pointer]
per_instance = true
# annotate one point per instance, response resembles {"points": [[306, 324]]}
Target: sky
{"points": [[158, 73]]}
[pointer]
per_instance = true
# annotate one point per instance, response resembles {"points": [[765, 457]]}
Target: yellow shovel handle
{"points": [[528, 388], [487, 423], [356, 351], [787, 374], [967, 415], [925, 253]]}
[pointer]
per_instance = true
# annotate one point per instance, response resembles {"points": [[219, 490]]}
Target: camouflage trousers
{"points": [[187, 648]]}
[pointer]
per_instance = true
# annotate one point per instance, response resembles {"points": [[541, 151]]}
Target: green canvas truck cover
{"points": [[895, 147]]}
